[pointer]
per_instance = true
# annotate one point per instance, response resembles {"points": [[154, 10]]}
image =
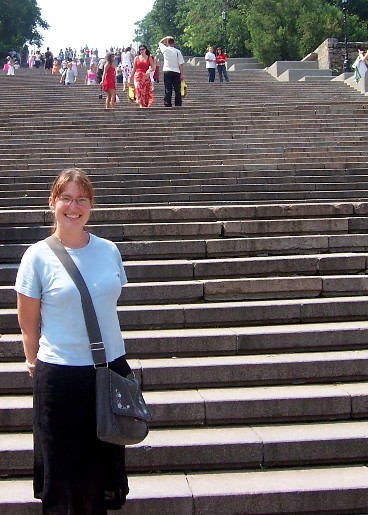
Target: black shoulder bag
{"points": [[121, 412]]}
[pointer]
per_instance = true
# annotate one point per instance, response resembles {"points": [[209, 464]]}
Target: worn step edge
{"points": [[224, 447], [341, 490], [227, 371], [223, 406], [227, 314], [347, 335]]}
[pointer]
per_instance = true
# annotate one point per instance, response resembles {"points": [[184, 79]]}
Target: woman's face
{"points": [[72, 207]]}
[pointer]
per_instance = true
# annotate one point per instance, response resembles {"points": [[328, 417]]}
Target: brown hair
{"points": [[109, 59], [72, 175]]}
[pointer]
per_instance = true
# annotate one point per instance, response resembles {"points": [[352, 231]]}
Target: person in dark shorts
{"points": [[49, 59]]}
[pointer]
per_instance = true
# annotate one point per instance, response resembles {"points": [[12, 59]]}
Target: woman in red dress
{"points": [[143, 66], [108, 80]]}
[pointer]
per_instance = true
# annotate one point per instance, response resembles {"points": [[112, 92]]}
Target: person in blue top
{"points": [[74, 472]]}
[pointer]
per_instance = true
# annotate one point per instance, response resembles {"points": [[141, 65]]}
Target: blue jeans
{"points": [[211, 74], [221, 68]]}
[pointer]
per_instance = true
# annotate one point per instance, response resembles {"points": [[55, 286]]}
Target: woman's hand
{"points": [[31, 366], [29, 317]]}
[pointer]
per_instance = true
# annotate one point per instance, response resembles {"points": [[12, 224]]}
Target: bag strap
{"points": [[93, 329]]}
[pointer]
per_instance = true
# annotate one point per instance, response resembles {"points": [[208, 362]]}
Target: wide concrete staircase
{"points": [[242, 221]]}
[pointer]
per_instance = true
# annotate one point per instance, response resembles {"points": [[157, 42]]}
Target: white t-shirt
{"points": [[172, 58], [70, 76], [126, 59], [64, 339], [210, 64]]}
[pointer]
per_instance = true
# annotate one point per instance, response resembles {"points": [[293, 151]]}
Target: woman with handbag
{"points": [[74, 471], [143, 66]]}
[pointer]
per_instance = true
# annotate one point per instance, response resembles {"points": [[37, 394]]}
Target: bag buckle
{"points": [[98, 351]]}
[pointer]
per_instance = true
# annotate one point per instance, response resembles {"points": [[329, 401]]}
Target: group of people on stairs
{"points": [[212, 60], [142, 73]]}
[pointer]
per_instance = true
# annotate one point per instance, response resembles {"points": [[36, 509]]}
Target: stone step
{"points": [[188, 135], [293, 372], [239, 289], [307, 337], [224, 197], [227, 314], [289, 141], [218, 248], [226, 371], [203, 199], [187, 187], [131, 182], [223, 406], [169, 270], [337, 148], [221, 448], [227, 492], [234, 160], [193, 213], [205, 229]]}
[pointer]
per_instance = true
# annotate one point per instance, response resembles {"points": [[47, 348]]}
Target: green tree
{"points": [[146, 31], [202, 25], [158, 23], [317, 20], [290, 29], [268, 29], [238, 36], [20, 21], [354, 7]]}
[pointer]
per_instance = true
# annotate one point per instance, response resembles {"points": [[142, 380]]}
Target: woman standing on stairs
{"points": [[143, 66], [74, 472], [10, 63], [221, 59], [108, 80]]}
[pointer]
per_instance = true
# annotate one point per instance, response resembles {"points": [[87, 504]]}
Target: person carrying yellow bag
{"points": [[173, 69], [183, 89]]}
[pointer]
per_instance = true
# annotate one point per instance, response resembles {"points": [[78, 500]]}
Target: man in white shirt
{"points": [[210, 59], [173, 69]]}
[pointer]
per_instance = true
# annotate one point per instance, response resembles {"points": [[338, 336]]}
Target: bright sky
{"points": [[103, 24]]}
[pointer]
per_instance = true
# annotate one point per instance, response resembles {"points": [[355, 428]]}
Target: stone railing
{"points": [[331, 54]]}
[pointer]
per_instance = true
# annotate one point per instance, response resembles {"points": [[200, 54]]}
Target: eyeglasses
{"points": [[142, 49], [67, 201]]}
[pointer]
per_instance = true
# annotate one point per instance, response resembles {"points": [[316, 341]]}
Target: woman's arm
{"points": [[106, 67], [152, 64], [29, 317], [133, 70]]}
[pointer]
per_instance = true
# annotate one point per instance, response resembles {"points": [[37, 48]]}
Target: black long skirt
{"points": [[74, 472]]}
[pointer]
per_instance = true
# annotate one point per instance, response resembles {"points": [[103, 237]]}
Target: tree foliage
{"points": [[20, 21], [159, 22], [268, 29]]}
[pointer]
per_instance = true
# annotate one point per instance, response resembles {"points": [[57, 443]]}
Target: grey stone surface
{"points": [[293, 491], [276, 403], [279, 67], [270, 203]]}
